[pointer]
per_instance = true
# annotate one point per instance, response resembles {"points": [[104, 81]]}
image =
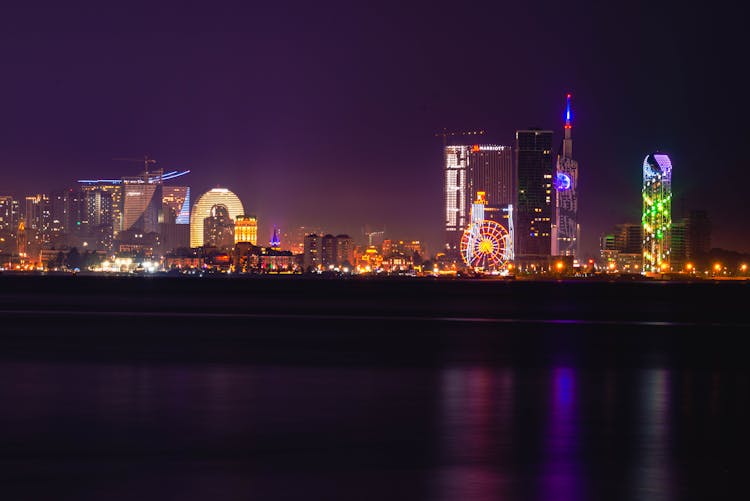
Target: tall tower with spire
{"points": [[275, 240], [565, 227]]}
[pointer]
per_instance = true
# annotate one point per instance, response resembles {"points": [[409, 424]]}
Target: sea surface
{"points": [[292, 388]]}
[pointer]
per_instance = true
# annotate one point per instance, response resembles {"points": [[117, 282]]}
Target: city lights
{"points": [[656, 217]]}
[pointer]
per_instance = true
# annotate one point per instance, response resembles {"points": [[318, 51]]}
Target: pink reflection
{"points": [[475, 428]]}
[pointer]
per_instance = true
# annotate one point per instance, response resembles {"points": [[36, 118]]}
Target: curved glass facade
{"points": [[202, 210]]}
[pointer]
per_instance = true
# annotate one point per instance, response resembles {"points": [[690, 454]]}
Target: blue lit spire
{"points": [[567, 146], [568, 114], [275, 242]]}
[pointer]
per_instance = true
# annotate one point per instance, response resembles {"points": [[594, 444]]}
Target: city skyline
{"points": [[253, 105]]}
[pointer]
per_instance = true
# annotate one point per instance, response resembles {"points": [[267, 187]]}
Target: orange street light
{"points": [[559, 265], [717, 267]]}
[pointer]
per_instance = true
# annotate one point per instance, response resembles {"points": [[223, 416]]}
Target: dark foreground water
{"points": [[376, 390]]}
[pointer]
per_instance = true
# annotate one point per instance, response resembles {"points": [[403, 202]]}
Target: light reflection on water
{"points": [[561, 474], [652, 470], [450, 433]]}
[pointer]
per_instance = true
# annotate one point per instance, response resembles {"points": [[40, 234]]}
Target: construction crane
{"points": [[445, 133], [146, 161]]}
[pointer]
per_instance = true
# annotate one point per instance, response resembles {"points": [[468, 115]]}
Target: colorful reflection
{"points": [[475, 434], [561, 474]]}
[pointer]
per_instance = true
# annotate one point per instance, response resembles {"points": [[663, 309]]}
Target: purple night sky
{"points": [[324, 113]]}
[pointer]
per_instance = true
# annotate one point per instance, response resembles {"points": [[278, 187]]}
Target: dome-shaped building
{"points": [[202, 209]]}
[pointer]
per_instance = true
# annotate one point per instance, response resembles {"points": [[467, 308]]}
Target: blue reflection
{"points": [[561, 475]]}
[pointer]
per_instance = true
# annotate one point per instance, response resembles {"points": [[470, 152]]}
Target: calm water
{"points": [[372, 409]]}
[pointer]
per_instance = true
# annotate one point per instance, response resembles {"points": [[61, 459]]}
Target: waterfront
{"points": [[289, 389]]}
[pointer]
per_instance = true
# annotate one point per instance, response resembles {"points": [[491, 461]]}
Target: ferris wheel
{"points": [[486, 244]]}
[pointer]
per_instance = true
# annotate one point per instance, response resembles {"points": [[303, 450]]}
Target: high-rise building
{"points": [[102, 205], [202, 210], [657, 212], [312, 257], [142, 203], [59, 212], [679, 245], [469, 169], [328, 251], [490, 171], [565, 229], [534, 172], [37, 218], [698, 233], [9, 215], [176, 204], [98, 205], [218, 228], [456, 209], [139, 205], [246, 229], [344, 250], [174, 227]]}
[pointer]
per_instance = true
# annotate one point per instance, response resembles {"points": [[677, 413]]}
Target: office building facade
{"points": [[534, 207], [469, 169]]}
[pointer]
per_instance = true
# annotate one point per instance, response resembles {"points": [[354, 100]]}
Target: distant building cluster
{"points": [[508, 210], [535, 189]]}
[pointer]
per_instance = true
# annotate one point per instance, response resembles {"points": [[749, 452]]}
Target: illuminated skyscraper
{"points": [[246, 229], [142, 204], [176, 204], [534, 177], [657, 212], [98, 204], [9, 215], [202, 210], [36, 218], [137, 201], [469, 169], [456, 209], [565, 228], [490, 171]]}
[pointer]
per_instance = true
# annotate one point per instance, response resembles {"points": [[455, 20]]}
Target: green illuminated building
{"points": [[657, 213]]}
